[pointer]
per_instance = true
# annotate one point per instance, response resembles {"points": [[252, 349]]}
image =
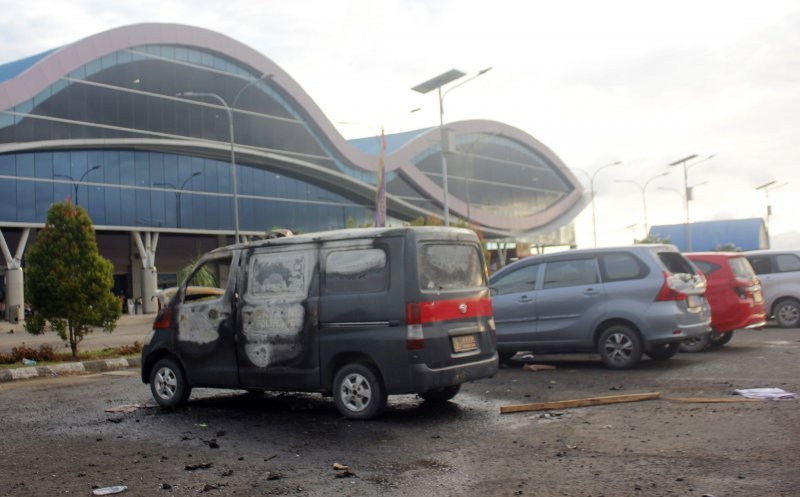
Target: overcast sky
{"points": [[644, 83]]}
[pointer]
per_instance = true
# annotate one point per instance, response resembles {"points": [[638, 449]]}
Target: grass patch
{"points": [[45, 355]]}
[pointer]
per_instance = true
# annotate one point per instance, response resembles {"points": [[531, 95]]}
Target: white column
{"points": [[15, 284], [147, 253]]}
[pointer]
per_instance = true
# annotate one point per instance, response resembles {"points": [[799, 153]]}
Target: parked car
{"points": [[734, 294], [357, 314], [779, 274], [619, 302]]}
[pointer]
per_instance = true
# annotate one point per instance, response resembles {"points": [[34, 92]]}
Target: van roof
{"points": [[350, 233]]}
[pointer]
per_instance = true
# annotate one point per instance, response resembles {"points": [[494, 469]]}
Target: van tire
{"points": [[720, 339], [441, 394], [620, 347], [358, 393], [787, 313], [696, 344], [168, 384], [664, 352]]}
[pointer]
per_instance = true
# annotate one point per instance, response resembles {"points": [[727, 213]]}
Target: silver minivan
{"points": [[620, 302], [779, 274]]}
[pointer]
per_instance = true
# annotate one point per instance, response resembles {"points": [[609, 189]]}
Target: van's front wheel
{"points": [[168, 384], [358, 393]]}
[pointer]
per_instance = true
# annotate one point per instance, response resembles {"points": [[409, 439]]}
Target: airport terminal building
{"points": [[159, 130]]}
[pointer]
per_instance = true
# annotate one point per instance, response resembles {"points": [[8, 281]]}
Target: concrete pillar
{"points": [[147, 253], [15, 283]]}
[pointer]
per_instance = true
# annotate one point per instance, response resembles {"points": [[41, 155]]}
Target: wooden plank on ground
{"points": [[590, 401], [710, 400]]}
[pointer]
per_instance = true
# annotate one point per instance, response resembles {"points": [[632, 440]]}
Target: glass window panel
{"points": [[8, 201], [112, 206], [156, 164], [25, 165], [127, 207], [142, 164], [8, 165], [127, 169], [143, 215], [26, 202]]}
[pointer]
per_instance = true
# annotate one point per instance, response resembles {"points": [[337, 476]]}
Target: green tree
{"points": [[68, 282], [204, 277], [654, 239]]}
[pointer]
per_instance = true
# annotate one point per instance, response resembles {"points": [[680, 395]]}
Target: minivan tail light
{"points": [[667, 293], [415, 340], [164, 319]]}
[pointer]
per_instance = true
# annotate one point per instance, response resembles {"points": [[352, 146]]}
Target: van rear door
{"points": [[450, 323]]}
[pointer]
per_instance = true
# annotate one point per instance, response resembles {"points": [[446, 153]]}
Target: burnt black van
{"points": [[357, 314]]}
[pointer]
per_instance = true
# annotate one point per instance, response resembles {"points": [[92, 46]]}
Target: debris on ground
{"points": [[537, 367], [109, 490], [765, 393], [28, 362], [125, 408], [343, 471], [274, 475], [591, 401], [193, 467], [709, 400]]}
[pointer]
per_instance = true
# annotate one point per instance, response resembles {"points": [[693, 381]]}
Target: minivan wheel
{"points": [[787, 313], [168, 384], [720, 339], [358, 393], [441, 394], [696, 344], [664, 352], [620, 347]]}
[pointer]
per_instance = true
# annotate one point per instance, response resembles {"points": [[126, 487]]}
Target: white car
{"points": [[779, 274]]}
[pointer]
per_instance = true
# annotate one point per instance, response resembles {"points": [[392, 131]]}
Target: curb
{"points": [[98, 366]]}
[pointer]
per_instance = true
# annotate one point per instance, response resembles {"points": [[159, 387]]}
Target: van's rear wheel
{"points": [[358, 393], [664, 352], [696, 344], [168, 384], [720, 339], [787, 313], [620, 347], [441, 394]]}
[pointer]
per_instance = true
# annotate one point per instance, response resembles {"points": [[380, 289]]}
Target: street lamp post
{"points": [[687, 193], [591, 194], [767, 187], [76, 184], [436, 84], [644, 197], [178, 193], [229, 110]]}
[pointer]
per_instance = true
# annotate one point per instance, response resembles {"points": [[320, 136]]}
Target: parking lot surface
{"points": [[59, 439]]}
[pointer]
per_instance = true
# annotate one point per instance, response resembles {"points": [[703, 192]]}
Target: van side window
{"points": [[356, 271], [787, 262], [576, 272], [676, 263], [762, 264], [521, 280], [277, 274], [621, 267], [208, 281]]}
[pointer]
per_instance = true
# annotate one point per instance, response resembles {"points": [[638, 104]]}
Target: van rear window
{"points": [[676, 263], [449, 266]]}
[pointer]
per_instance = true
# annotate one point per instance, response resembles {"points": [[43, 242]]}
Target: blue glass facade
{"points": [[153, 189]]}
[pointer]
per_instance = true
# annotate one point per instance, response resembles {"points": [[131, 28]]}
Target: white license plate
{"points": [[464, 343], [694, 301]]}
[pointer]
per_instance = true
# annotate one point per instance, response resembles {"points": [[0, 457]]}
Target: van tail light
{"points": [[415, 340], [164, 319], [742, 289], [667, 293]]}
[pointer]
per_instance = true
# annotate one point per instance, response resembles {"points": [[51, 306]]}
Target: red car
{"points": [[734, 294]]}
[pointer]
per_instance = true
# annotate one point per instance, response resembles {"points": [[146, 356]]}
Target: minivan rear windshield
{"points": [[741, 268], [676, 263], [449, 266]]}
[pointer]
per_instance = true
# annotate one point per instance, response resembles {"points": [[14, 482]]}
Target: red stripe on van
{"points": [[448, 310]]}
